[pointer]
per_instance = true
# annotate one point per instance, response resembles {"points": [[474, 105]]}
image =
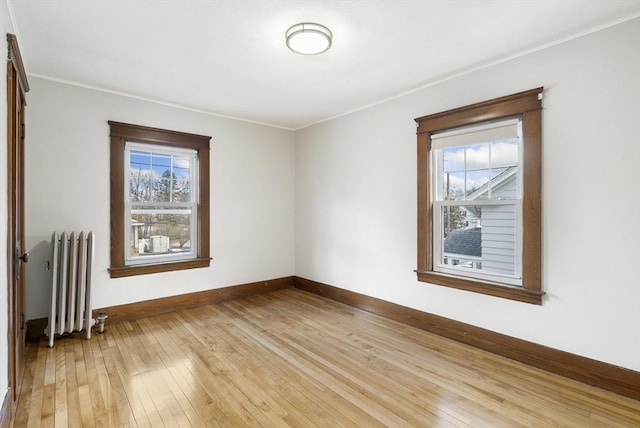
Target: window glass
{"points": [[480, 239], [160, 208]]}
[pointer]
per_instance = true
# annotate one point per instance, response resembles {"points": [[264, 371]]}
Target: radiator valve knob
{"points": [[101, 319]]}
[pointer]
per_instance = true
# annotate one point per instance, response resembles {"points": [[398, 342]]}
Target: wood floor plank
{"points": [[112, 388], [271, 388], [95, 374], [371, 370], [61, 416], [352, 387], [187, 391], [503, 406], [293, 359], [22, 408], [332, 398], [73, 399], [218, 404], [48, 412], [127, 375]]}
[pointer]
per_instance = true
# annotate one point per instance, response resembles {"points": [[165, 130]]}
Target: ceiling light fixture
{"points": [[308, 38]]}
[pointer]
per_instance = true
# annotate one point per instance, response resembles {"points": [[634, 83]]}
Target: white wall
{"points": [[67, 188], [356, 198]]}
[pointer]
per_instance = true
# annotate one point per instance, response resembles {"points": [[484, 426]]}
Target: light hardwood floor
{"points": [[290, 358]]}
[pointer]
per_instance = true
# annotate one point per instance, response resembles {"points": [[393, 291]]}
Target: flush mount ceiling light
{"points": [[308, 38]]}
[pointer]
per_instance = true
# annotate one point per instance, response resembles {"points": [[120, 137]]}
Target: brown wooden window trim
{"points": [[528, 106], [120, 134]]}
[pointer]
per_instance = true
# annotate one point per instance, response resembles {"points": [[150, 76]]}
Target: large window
{"points": [[159, 200], [479, 197]]}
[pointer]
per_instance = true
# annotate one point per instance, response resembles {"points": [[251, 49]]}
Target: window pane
{"points": [[140, 160], [161, 163], [479, 171], [453, 159], [140, 184], [477, 187], [453, 186], [159, 177], [504, 153], [169, 188], [158, 231], [504, 183], [477, 156], [479, 237]]}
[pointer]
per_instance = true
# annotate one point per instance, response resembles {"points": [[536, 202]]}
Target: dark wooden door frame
{"points": [[17, 87]]}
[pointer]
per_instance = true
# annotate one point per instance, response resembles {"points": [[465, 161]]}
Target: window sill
{"points": [[123, 271], [492, 289]]}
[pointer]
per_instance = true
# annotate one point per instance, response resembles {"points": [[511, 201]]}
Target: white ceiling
{"points": [[229, 58]]}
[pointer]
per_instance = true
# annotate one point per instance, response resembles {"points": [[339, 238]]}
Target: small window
{"points": [[479, 197], [159, 199]]}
